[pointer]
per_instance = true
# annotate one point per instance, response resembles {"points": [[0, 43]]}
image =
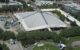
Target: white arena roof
{"points": [[36, 20]]}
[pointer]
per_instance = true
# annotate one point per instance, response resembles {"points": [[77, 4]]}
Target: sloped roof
{"points": [[36, 20]]}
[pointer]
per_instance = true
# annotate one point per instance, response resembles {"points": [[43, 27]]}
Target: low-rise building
{"points": [[10, 3], [72, 7], [39, 20], [41, 2], [77, 1]]}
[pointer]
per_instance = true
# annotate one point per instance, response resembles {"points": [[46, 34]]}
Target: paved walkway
{"points": [[16, 46], [29, 48], [32, 46], [75, 44]]}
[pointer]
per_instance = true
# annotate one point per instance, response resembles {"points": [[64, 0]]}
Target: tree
{"points": [[32, 37], [73, 23], [7, 35], [70, 32], [3, 47], [61, 16], [1, 31]]}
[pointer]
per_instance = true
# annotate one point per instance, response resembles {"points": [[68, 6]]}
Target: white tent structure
{"points": [[39, 20]]}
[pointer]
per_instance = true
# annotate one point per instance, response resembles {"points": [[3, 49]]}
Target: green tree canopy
{"points": [[32, 37], [4, 47], [70, 32], [7, 35]]}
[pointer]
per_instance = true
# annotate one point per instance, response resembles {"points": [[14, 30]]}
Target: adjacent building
{"points": [[72, 7], [10, 3], [41, 2], [77, 1]]}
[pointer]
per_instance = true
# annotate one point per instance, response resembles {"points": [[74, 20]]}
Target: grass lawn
{"points": [[76, 48], [73, 39], [46, 47]]}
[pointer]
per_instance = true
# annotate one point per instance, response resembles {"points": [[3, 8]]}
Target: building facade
{"points": [[77, 1], [72, 8]]}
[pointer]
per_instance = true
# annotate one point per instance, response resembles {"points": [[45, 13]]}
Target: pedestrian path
{"points": [[16, 46], [29, 48]]}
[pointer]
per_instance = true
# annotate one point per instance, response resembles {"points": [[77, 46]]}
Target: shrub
{"points": [[70, 32], [32, 37], [7, 35], [73, 23], [1, 31], [4, 47], [61, 16]]}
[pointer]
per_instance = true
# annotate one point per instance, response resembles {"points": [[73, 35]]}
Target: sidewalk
{"points": [[16, 46], [29, 48]]}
